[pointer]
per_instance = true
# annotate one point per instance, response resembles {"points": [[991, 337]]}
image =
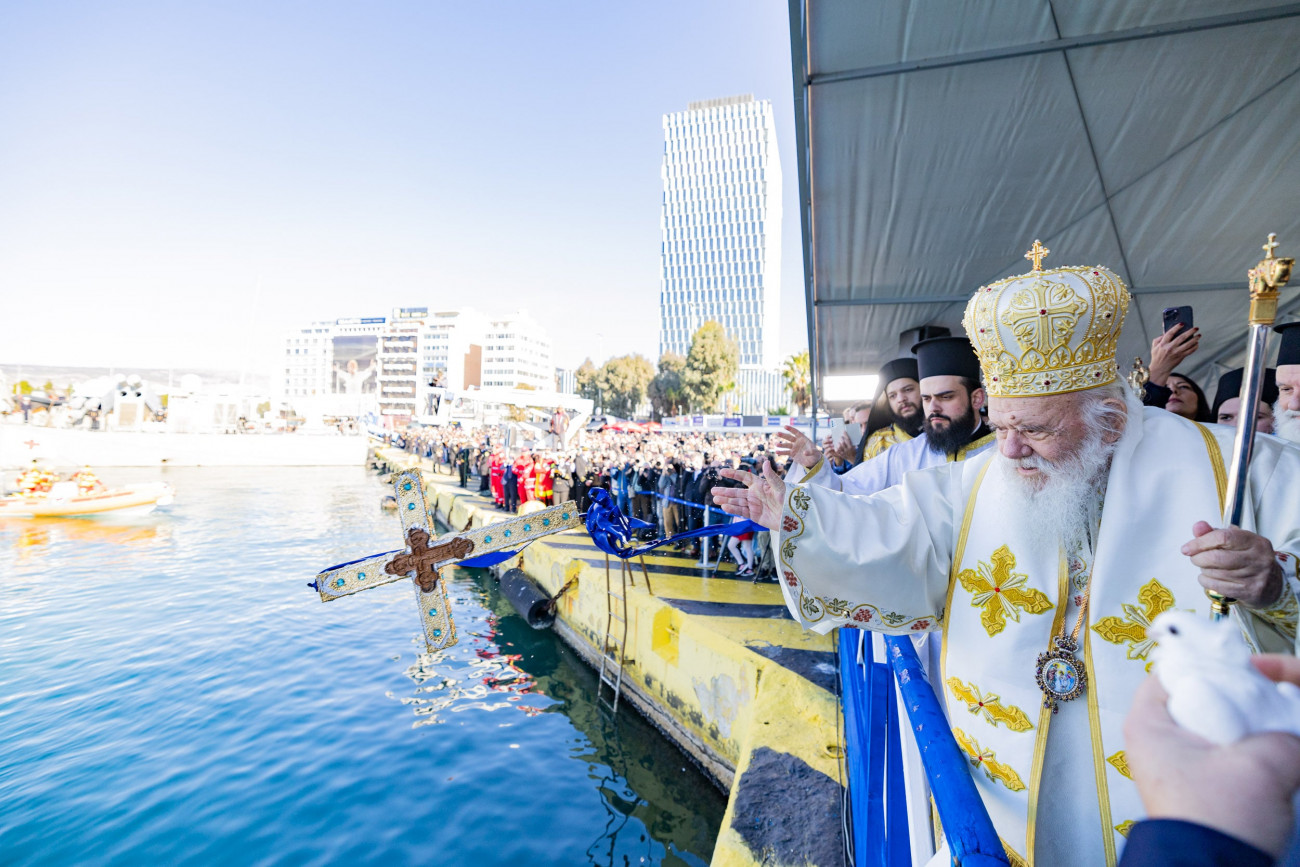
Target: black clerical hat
{"points": [[1289, 351], [1230, 387], [899, 368], [947, 356]]}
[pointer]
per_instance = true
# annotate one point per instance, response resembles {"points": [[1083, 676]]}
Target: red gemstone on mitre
{"points": [[1042, 312]]}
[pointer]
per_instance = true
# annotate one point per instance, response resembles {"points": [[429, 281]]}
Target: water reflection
{"points": [[29, 538], [644, 782]]}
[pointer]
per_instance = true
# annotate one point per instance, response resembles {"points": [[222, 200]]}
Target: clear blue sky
{"points": [[161, 161]]}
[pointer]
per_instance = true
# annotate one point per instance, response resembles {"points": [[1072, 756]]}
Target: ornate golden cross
{"points": [[1037, 254], [424, 557], [1271, 245]]}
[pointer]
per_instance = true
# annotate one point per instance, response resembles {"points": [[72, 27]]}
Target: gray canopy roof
{"points": [[937, 140]]}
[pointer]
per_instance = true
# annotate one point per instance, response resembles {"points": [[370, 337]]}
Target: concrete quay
{"points": [[717, 665]]}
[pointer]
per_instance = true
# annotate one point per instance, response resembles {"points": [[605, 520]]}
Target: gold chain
{"points": [[1083, 610]]}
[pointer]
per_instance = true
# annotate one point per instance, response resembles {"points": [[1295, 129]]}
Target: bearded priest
{"points": [[953, 429], [1041, 562]]}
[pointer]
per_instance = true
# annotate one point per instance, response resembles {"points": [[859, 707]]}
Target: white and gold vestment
{"points": [[940, 553], [950, 550]]}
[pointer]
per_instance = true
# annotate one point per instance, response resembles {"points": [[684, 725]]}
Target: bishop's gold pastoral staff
{"points": [[1042, 562]]}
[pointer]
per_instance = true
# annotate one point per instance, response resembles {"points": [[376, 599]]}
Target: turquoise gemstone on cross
{"points": [[546, 522], [528, 528], [410, 506], [506, 534], [433, 612], [340, 582], [361, 575], [437, 633], [566, 516], [487, 540], [406, 487]]}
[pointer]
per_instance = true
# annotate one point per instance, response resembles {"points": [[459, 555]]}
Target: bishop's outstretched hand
{"points": [[760, 500]]}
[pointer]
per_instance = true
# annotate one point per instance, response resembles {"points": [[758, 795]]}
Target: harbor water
{"points": [[172, 692]]}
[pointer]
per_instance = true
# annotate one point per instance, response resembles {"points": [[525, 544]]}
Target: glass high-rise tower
{"points": [[721, 236]]}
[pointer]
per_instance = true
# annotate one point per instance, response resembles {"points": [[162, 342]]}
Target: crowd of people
{"points": [[661, 477]]}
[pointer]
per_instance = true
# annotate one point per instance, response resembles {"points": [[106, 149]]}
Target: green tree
{"points": [[262, 408], [667, 391], [795, 373], [622, 382], [22, 387], [585, 376], [711, 366], [48, 387]]}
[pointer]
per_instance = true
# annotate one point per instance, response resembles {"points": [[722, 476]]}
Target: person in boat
{"points": [[1052, 551], [35, 480], [87, 481]]}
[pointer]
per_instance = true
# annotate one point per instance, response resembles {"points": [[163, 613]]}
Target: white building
{"points": [[331, 367], [720, 256], [451, 347], [518, 354], [399, 367]]}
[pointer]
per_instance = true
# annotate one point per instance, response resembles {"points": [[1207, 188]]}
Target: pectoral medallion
{"points": [[1060, 675]]}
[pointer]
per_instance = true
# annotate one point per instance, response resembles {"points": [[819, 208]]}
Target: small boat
{"points": [[64, 500]]}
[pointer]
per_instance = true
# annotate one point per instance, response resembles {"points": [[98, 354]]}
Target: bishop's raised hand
{"points": [[761, 498], [794, 444]]}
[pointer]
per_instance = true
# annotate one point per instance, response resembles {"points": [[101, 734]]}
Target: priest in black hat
{"points": [[899, 401], [1227, 399], [953, 429], [1286, 412]]}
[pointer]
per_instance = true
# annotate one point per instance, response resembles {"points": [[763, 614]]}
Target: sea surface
{"points": [[172, 692]]}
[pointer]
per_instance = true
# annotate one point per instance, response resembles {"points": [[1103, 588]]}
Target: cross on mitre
{"points": [[424, 556], [1037, 254]]}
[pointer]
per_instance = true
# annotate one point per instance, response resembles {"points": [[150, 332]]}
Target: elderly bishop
{"points": [[1041, 563]]}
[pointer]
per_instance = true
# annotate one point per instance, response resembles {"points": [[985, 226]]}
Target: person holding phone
{"points": [[1174, 345]]}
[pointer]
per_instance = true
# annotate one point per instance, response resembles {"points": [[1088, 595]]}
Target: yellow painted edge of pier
{"points": [[692, 674]]}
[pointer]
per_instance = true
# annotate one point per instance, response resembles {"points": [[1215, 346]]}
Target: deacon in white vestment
{"points": [[1042, 562], [953, 429]]}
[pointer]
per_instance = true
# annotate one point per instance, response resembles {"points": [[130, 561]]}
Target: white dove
{"points": [[1214, 691]]}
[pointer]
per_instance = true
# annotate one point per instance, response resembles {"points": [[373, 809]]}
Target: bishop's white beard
{"points": [[1063, 503], [1286, 424]]}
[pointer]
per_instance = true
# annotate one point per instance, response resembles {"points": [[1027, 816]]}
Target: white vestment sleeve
{"points": [[1274, 480], [821, 474], [878, 562], [869, 476]]}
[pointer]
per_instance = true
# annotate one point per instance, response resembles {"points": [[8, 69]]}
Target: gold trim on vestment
{"points": [[1045, 714], [815, 467], [1098, 752], [971, 446], [1216, 461], [959, 552]]}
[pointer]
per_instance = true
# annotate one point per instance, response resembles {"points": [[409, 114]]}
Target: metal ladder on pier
{"points": [[613, 651]]}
